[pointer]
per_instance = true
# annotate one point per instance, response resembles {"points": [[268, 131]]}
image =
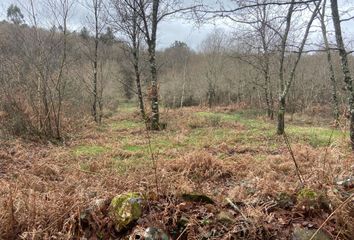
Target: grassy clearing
{"points": [[125, 124], [89, 150], [223, 155], [315, 136]]}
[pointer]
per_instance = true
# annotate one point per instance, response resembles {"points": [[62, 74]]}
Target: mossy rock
{"points": [[195, 197], [307, 194], [152, 233], [306, 234], [311, 200], [125, 209], [285, 200]]}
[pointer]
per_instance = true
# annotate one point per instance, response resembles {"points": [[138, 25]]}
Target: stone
{"points": [[195, 197], [306, 234], [125, 209], [285, 200], [150, 233]]}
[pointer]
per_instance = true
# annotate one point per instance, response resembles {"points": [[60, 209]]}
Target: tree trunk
{"points": [[345, 68], [330, 65], [281, 117], [95, 68], [285, 86], [155, 116], [140, 94]]}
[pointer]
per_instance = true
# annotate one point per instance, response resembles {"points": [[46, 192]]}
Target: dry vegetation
{"points": [[231, 156]]}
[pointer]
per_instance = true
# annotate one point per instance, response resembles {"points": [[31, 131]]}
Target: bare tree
{"points": [[97, 25], [124, 16], [215, 56], [259, 41], [151, 13], [345, 66], [285, 84], [322, 16]]}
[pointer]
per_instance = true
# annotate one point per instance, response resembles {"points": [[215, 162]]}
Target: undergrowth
{"points": [[228, 156]]}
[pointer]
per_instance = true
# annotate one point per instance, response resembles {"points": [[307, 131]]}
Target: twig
{"points": [[329, 217], [184, 230], [153, 158], [236, 208], [326, 152], [298, 172]]}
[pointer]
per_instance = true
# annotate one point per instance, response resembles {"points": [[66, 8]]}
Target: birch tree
{"points": [[284, 83], [97, 25], [345, 66], [151, 13], [322, 16], [125, 18]]}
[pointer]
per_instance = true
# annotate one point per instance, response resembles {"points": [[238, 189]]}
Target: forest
{"points": [[114, 124]]}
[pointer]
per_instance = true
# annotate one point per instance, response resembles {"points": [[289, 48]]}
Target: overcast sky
{"points": [[172, 29]]}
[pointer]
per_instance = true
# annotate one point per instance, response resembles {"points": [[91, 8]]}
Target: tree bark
{"points": [[155, 116], [330, 64], [285, 86], [95, 67], [345, 67]]}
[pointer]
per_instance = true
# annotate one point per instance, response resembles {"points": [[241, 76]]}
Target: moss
{"points": [[307, 194], [89, 150], [125, 209]]}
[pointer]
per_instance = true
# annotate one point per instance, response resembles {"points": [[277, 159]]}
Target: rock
{"points": [[182, 222], [285, 200], [225, 217], [306, 234], [195, 197], [125, 209], [311, 200], [347, 183], [150, 233], [95, 207]]}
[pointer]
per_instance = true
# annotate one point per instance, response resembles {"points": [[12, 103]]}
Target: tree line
{"points": [[280, 56]]}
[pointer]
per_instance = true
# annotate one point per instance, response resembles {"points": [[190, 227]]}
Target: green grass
{"points": [[125, 124], [259, 130], [89, 150], [134, 148], [127, 107], [315, 136]]}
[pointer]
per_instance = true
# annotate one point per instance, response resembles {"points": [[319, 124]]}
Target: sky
{"points": [[174, 29], [170, 30]]}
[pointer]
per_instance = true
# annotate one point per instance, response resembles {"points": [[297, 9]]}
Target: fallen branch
{"points": [[234, 206]]}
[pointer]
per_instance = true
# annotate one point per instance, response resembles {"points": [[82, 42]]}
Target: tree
{"points": [[38, 59], [125, 19], [151, 14], [97, 24], [15, 15], [345, 66], [259, 40], [283, 83], [322, 16], [215, 54]]}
